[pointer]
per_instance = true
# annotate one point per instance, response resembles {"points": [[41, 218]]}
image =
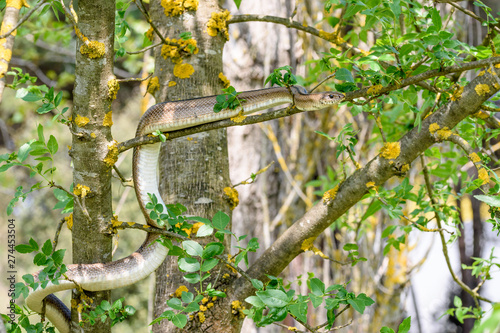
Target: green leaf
{"points": [[52, 145], [344, 74], [220, 220], [436, 19], [273, 298], [204, 230], [179, 320], [255, 301], [299, 310], [47, 247], [405, 326], [192, 278], [212, 250], [386, 329], [189, 265], [317, 286], [187, 297], [175, 304], [192, 248], [489, 200], [209, 264], [237, 3], [257, 284], [24, 150]]}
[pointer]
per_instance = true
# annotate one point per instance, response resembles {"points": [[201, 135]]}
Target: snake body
{"points": [[165, 117]]}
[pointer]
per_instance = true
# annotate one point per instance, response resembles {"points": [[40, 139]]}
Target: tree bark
{"points": [[193, 170], [90, 147]]}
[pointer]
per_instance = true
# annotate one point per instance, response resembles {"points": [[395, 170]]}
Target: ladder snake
{"points": [[165, 117]]}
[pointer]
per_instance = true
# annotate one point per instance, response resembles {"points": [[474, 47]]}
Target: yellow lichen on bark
{"points": [[172, 83], [108, 119], [201, 317], [113, 87], [224, 79], [474, 158], [178, 291], [175, 53], [239, 118], [17, 4], [390, 150], [69, 221], [232, 197], [482, 89], [373, 90], [433, 128], [482, 174], [81, 190], [150, 34], [94, 50], [443, 134], [457, 94], [307, 245], [112, 155], [183, 71], [217, 23], [330, 195], [370, 184], [481, 115], [153, 85], [81, 121], [177, 7]]}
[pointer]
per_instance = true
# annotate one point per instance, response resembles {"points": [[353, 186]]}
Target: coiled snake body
{"points": [[165, 117]]}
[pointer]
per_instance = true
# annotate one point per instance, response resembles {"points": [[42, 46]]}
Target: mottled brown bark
{"points": [[90, 244], [193, 170]]}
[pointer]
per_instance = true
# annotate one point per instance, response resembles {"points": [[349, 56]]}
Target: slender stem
{"points": [[24, 19]]}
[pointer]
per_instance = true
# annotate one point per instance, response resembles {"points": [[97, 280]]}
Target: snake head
{"points": [[331, 97]]}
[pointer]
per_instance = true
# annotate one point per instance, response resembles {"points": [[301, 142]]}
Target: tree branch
{"points": [[352, 190], [23, 19]]}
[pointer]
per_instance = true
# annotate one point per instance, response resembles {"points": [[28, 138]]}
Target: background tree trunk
{"points": [[194, 170]]}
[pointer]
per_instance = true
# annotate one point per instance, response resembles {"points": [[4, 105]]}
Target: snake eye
{"points": [[332, 96]]}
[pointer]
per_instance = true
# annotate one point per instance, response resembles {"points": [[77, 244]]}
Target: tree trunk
{"points": [[90, 146], [193, 170]]}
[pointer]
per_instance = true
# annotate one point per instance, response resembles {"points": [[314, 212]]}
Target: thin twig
{"points": [[135, 79], [56, 236], [145, 49], [24, 19]]}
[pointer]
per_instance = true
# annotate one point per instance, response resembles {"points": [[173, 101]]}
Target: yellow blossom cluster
{"points": [[177, 7], [217, 23], [175, 53]]}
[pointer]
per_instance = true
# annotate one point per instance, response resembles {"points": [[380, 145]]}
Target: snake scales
{"points": [[166, 117]]}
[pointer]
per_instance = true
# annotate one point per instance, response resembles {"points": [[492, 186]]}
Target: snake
{"points": [[164, 117]]}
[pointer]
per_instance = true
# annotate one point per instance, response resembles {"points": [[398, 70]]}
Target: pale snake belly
{"points": [[165, 117]]}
